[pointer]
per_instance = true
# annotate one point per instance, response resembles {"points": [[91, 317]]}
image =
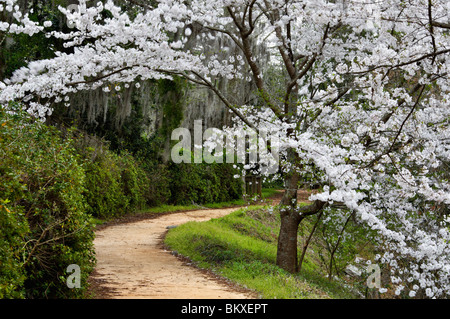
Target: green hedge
{"points": [[112, 185], [203, 183], [117, 185], [44, 227]]}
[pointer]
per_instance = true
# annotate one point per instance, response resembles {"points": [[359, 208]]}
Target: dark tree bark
{"points": [[287, 242], [291, 217]]}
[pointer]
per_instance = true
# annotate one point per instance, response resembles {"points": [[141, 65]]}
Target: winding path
{"points": [[132, 263]]}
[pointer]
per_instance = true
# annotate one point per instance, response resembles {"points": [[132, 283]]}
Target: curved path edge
{"points": [[133, 263]]}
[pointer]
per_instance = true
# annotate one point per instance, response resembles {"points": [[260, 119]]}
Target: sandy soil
{"points": [[132, 263]]}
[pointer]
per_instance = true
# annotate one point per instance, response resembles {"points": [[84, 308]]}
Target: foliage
{"points": [[339, 239], [20, 48], [46, 227], [170, 92], [14, 228], [105, 193], [117, 184], [203, 183]]}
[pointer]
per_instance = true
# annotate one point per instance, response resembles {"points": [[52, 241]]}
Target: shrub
{"points": [[104, 192], [133, 180], [46, 228], [203, 183], [118, 183], [157, 192], [13, 228], [229, 188]]}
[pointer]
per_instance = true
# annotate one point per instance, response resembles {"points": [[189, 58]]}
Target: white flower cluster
{"points": [[20, 23]]}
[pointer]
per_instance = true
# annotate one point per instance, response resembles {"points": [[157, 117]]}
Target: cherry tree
{"points": [[357, 91]]}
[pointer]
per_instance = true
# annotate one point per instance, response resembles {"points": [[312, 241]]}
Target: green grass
{"points": [[242, 247], [178, 208], [268, 192], [265, 193]]}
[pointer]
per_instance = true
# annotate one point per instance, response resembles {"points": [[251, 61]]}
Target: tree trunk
{"points": [[287, 241], [290, 220], [291, 216]]}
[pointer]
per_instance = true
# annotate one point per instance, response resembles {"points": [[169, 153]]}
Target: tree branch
{"points": [[305, 246], [227, 32], [423, 57], [224, 100], [392, 146], [406, 119], [430, 19], [440, 24], [311, 209], [100, 77]]}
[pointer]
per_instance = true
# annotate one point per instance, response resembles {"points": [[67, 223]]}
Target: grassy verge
{"points": [[242, 247]]}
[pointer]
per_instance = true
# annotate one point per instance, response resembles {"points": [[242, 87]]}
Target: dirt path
{"points": [[131, 263]]}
